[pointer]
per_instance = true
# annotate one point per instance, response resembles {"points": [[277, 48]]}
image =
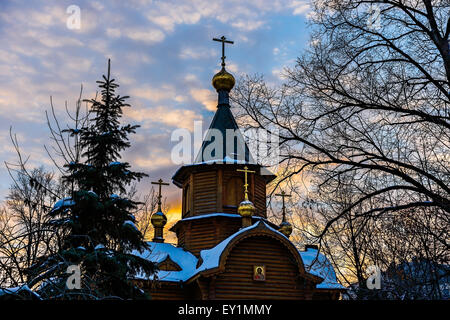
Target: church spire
{"points": [[223, 40], [223, 81], [285, 227], [246, 208], [229, 146], [159, 219]]}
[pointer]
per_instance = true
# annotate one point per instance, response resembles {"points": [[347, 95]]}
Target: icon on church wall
{"points": [[259, 273]]}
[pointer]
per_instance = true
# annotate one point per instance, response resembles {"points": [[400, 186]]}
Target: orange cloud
{"points": [[176, 118], [206, 97]]}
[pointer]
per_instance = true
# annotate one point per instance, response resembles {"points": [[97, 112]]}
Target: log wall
{"points": [[201, 234], [283, 280], [210, 191]]}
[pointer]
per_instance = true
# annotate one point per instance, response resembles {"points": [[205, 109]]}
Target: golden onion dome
{"points": [[223, 80], [158, 219], [246, 208], [285, 228]]}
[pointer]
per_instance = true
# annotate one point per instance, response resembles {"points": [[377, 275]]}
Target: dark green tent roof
{"points": [[227, 133]]}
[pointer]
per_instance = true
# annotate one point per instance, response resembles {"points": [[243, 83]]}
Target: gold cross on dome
{"points": [[246, 171], [160, 183], [223, 40], [283, 195]]}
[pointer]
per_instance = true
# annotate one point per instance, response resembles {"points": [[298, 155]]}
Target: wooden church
{"points": [[227, 249]]}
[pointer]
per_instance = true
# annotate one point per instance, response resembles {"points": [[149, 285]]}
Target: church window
{"points": [[187, 199]]}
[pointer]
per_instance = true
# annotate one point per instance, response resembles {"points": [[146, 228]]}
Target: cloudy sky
{"points": [[162, 55]]}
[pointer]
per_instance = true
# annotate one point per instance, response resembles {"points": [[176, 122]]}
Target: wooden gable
{"points": [[169, 265], [282, 279]]}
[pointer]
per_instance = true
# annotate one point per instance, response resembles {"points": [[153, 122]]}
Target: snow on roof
{"points": [[187, 261], [217, 214], [159, 252], [18, 290], [211, 258], [319, 265], [226, 160]]}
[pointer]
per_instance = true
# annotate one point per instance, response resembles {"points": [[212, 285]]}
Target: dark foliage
{"points": [[97, 220]]}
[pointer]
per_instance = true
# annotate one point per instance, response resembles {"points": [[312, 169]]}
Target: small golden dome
{"points": [[246, 208], [223, 80], [158, 219], [285, 228]]}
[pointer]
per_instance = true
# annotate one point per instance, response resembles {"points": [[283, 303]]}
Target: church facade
{"points": [[227, 248]]}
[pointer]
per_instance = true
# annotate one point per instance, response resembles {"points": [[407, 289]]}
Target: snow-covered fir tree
{"points": [[96, 220]]}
